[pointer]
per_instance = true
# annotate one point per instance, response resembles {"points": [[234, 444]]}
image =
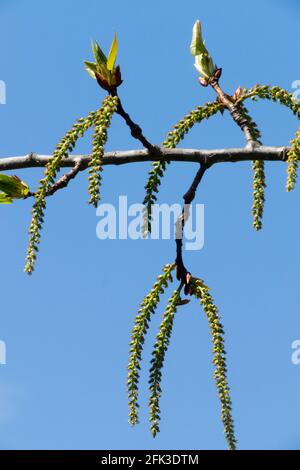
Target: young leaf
{"points": [[91, 68], [13, 187], [112, 53], [5, 199], [197, 46], [99, 55]]}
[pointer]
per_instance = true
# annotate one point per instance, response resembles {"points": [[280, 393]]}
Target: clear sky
{"points": [[67, 327]]}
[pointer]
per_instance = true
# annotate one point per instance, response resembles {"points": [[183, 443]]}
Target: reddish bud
{"points": [[203, 81], [237, 94], [217, 74], [118, 77], [102, 82]]}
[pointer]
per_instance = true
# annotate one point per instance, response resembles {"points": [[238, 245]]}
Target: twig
{"points": [[211, 157], [236, 113], [135, 129], [65, 179], [182, 273]]}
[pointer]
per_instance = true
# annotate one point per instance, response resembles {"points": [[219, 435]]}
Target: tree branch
{"points": [[135, 129], [182, 273], [207, 157], [65, 179], [237, 115]]}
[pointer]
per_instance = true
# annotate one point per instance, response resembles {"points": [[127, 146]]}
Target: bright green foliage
{"points": [[201, 292], [172, 140], [141, 325], [158, 357], [197, 45], [293, 162], [5, 199], [103, 69], [259, 185], [63, 149], [203, 61], [102, 122], [11, 187], [112, 55]]}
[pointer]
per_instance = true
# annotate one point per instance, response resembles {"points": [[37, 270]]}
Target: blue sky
{"points": [[67, 327]]}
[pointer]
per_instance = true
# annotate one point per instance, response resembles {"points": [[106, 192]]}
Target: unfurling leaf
{"points": [[104, 70], [91, 68], [5, 199], [203, 61], [99, 55], [111, 59], [205, 65], [12, 187], [197, 46]]}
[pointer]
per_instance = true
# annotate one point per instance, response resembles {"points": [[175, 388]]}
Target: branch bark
{"points": [[135, 129], [236, 114], [206, 157], [182, 273], [65, 179]]}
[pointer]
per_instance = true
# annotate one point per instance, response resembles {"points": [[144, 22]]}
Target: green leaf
{"points": [[5, 199], [197, 46], [13, 187], [104, 72], [204, 65], [99, 55], [112, 53], [91, 68]]}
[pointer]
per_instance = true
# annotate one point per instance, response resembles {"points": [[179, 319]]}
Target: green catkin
{"points": [[172, 140], [258, 167], [63, 149], [274, 93], [252, 126], [141, 325], [158, 357], [156, 173], [185, 125], [287, 99], [101, 124], [259, 185], [201, 292], [293, 162]]}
